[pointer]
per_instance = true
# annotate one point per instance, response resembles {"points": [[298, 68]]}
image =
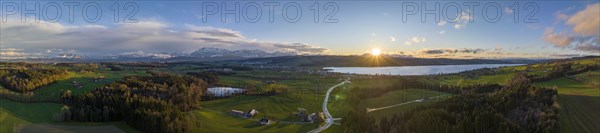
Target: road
{"points": [[329, 119], [404, 103]]}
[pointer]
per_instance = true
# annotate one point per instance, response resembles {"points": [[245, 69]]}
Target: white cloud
{"points": [[441, 23], [462, 21], [508, 10], [459, 26], [147, 36], [442, 32], [585, 35], [392, 39], [561, 16], [586, 22], [415, 40], [560, 40]]}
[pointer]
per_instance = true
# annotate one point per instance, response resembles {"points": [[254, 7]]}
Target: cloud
{"points": [[586, 22], [459, 26], [507, 10], [392, 39], [14, 53], [301, 48], [46, 38], [462, 21], [561, 16], [585, 35], [442, 32], [441, 23], [212, 31], [415, 40], [452, 51], [560, 40]]}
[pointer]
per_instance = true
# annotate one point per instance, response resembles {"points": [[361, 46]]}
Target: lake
{"points": [[223, 91], [414, 70]]}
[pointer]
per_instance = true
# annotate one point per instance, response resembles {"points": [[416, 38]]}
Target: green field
{"points": [[304, 91], [396, 97], [580, 102], [279, 108], [52, 91], [14, 114]]}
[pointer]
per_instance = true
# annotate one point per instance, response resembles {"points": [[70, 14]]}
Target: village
{"points": [[302, 116]]}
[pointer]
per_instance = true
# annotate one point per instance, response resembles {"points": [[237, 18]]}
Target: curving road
{"points": [[329, 119]]}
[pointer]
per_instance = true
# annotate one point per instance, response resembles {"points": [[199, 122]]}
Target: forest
{"points": [[516, 107], [26, 80], [157, 103]]}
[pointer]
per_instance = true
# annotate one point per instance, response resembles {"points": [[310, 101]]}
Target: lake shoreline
{"points": [[413, 70]]}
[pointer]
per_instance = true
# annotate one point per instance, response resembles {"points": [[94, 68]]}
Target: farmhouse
{"points": [[312, 118], [264, 121], [304, 116], [237, 113], [251, 113]]}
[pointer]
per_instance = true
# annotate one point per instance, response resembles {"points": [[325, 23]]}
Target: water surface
{"points": [[223, 91], [414, 70]]}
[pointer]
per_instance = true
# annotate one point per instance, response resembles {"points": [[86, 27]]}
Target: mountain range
{"points": [[209, 52]]}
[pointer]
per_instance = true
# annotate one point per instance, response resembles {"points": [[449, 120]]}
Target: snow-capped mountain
{"points": [[141, 54], [209, 52], [67, 56]]}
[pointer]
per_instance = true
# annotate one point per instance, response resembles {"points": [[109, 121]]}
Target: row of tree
{"points": [[155, 103], [560, 69]]}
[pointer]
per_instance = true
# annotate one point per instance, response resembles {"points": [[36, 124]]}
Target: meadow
{"points": [[14, 115], [579, 100]]}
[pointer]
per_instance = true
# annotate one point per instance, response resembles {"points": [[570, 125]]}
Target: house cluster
{"points": [[270, 82], [303, 115], [98, 79], [77, 85], [251, 113]]}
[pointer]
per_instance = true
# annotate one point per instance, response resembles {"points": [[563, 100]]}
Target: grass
{"points": [[305, 91], [218, 121], [52, 91], [396, 97], [499, 78], [13, 114], [279, 108], [214, 118], [580, 102]]}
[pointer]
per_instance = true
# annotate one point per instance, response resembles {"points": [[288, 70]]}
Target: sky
{"points": [[464, 29]]}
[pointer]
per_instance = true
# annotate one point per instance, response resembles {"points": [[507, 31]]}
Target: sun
{"points": [[375, 52]]}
